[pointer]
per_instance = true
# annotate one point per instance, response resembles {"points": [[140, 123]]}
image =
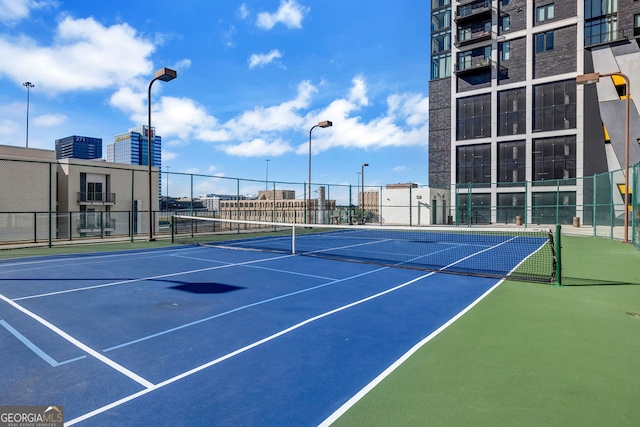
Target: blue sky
{"points": [[253, 77]]}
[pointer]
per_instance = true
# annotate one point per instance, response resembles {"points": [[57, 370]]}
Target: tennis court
{"points": [[213, 335]]}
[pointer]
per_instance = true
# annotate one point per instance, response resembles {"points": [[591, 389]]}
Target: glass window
{"points": [[554, 106], [510, 205], [598, 8], [554, 159], [440, 42], [511, 162], [473, 117], [512, 112], [505, 23], [545, 13], [439, 3], [505, 51], [473, 164], [553, 207], [440, 66], [544, 41], [441, 19]]}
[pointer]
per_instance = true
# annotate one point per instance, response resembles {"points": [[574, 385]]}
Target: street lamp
{"points": [[324, 124], [590, 78], [28, 85], [165, 75], [362, 206]]}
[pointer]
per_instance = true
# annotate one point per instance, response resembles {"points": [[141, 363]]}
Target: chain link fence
{"points": [[56, 202]]}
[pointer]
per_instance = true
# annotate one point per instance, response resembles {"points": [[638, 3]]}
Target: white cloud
{"points": [[243, 11], [275, 118], [169, 155], [290, 14], [400, 168], [404, 124], [8, 127], [49, 120], [227, 37], [85, 55], [358, 92], [16, 10], [257, 147], [264, 130], [262, 59], [182, 65]]}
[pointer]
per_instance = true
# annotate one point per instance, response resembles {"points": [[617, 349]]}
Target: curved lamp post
{"points": [[362, 206], [324, 124], [165, 75], [585, 79]]}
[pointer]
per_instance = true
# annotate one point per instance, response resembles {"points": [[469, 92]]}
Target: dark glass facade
{"points": [[79, 147]]}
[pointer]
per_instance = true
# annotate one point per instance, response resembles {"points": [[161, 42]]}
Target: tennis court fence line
{"points": [[73, 201]]}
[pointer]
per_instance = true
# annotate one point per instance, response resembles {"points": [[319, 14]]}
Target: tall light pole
{"points": [[266, 180], [165, 75], [167, 201], [363, 166], [358, 173], [324, 124], [590, 78], [28, 85]]}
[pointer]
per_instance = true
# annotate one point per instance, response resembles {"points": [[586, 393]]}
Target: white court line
{"points": [[274, 336], [58, 261], [126, 372], [366, 389], [141, 279], [244, 307], [37, 350], [242, 350]]}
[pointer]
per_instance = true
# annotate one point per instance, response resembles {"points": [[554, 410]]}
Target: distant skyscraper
{"points": [[131, 147], [79, 147]]}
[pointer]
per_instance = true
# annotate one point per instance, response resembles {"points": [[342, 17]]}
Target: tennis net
{"points": [[517, 253]]}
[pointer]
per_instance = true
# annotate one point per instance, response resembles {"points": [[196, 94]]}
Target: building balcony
{"points": [[95, 224], [473, 11], [604, 38], [476, 65], [93, 198], [469, 38]]}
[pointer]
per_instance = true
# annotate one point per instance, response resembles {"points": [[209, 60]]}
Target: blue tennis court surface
{"points": [[210, 336]]}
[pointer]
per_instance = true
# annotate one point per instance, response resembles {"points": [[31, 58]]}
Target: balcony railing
{"points": [[475, 65], [96, 198], [468, 38], [472, 11], [604, 38], [95, 223]]}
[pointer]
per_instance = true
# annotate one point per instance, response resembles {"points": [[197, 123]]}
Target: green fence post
{"points": [[558, 255]]}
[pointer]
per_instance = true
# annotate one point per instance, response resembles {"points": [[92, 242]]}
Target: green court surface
{"points": [[529, 354]]}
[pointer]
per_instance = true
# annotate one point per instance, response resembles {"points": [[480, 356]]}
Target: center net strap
{"points": [[516, 253]]}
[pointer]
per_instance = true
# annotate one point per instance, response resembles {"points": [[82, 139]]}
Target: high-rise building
{"points": [[510, 131], [131, 147], [79, 147]]}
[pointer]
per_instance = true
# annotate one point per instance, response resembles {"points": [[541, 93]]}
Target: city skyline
{"points": [[253, 78]]}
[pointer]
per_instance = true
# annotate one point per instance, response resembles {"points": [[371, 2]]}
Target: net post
{"points": [[558, 255], [173, 231], [293, 239]]}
